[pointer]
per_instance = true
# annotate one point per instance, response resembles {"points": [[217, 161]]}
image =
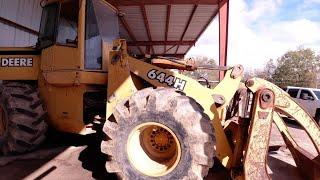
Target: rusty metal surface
{"points": [[308, 164], [259, 135], [266, 98], [286, 105]]}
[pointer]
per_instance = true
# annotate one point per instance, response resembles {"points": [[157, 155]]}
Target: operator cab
{"points": [[83, 32]]}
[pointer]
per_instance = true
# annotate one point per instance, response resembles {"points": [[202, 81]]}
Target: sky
{"points": [[260, 30]]}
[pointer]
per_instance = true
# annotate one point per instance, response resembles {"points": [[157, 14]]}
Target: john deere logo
{"points": [[16, 62]]}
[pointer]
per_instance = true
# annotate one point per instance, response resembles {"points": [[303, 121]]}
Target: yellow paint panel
{"points": [[192, 88], [60, 58], [69, 78], [93, 77], [107, 47], [120, 83], [64, 105]]}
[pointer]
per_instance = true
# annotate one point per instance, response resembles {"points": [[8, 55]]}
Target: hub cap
{"points": [[153, 149]]}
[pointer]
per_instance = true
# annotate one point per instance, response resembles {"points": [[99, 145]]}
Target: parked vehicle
{"points": [[308, 98]]}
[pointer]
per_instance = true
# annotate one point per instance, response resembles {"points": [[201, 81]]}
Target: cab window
{"points": [[48, 23], [306, 95], [68, 23], [93, 40], [293, 92], [101, 28]]}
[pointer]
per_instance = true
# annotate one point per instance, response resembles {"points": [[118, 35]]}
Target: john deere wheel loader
{"points": [[159, 124]]}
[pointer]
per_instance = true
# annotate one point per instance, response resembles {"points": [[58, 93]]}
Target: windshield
{"points": [[317, 93], [59, 24]]}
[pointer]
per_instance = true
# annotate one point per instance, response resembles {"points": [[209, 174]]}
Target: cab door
{"points": [[59, 35]]}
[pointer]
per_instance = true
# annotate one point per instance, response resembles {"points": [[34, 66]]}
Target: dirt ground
{"points": [[69, 156]]}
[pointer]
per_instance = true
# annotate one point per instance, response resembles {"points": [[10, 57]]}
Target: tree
{"points": [[265, 73], [297, 68]]}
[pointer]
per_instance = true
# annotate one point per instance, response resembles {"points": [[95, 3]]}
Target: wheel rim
{"points": [[153, 149], [2, 121]]}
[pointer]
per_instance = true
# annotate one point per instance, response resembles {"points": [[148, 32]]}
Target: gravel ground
{"points": [[79, 157]]}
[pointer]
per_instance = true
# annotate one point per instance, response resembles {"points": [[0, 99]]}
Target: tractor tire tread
{"points": [[26, 126], [189, 118]]}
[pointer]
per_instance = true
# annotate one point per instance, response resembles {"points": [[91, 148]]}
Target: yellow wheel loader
{"points": [[159, 124]]}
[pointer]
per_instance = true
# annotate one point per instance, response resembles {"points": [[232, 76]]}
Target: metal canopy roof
{"points": [[164, 27]]}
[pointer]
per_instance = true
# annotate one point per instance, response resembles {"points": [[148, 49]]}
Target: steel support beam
{"points": [[160, 43], [223, 34], [162, 2], [167, 26], [18, 26], [146, 23], [167, 50]]}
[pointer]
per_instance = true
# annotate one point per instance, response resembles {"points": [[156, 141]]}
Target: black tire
{"points": [[180, 114], [24, 118]]}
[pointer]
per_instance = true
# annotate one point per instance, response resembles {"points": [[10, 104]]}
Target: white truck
{"points": [[309, 98]]}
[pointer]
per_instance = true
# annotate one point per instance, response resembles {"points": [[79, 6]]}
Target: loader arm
{"points": [[285, 104], [245, 153], [281, 101]]}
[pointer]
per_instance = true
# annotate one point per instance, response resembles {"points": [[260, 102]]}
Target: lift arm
{"points": [[307, 163]]}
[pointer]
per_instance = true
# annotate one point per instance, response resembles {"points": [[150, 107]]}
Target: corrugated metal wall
{"points": [[23, 12]]}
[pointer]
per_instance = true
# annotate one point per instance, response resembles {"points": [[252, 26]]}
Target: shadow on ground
{"points": [[277, 168], [20, 166], [91, 157]]}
